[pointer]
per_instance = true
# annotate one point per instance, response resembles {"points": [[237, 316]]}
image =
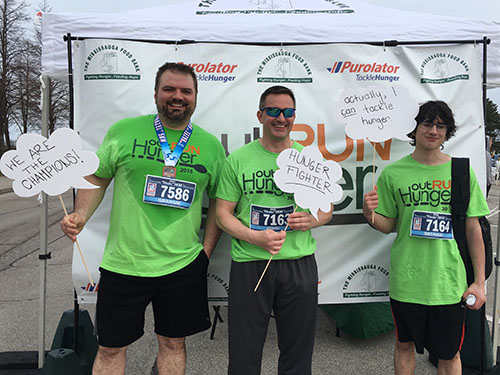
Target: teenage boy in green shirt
{"points": [[427, 282]]}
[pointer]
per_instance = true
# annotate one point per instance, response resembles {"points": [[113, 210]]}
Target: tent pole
{"points": [[496, 301], [43, 256], [386, 43], [483, 308], [68, 39], [76, 306]]}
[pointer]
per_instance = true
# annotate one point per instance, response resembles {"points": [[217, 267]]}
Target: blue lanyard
{"points": [[171, 157]]}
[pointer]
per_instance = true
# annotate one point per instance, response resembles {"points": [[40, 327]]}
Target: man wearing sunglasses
{"points": [[428, 280], [265, 222]]}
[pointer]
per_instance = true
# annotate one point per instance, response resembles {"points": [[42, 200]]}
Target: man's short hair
{"points": [[276, 90], [176, 68], [431, 110]]}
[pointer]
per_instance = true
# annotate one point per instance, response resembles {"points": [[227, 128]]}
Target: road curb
{"points": [[5, 190]]}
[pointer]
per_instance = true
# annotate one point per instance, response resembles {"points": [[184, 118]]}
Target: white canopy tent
{"points": [[262, 21]]}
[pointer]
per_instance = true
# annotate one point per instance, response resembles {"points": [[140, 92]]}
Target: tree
{"points": [[59, 91], [12, 20], [59, 105], [27, 71], [492, 119]]}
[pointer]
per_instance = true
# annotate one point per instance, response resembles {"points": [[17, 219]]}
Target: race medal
{"points": [[171, 157], [169, 172], [169, 192], [431, 225], [275, 218]]}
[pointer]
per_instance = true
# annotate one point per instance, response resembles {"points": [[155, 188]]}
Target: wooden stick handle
{"points": [[263, 273], [78, 245], [269, 261]]}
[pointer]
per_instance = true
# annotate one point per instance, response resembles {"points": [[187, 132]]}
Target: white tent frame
{"points": [[43, 216]]}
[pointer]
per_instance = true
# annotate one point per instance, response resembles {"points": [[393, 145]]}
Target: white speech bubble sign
{"points": [[51, 165], [309, 178], [377, 113]]}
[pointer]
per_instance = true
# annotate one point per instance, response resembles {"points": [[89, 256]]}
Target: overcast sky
{"points": [[482, 9]]}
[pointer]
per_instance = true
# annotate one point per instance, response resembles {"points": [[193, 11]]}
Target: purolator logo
{"points": [[284, 67], [372, 71], [442, 67], [90, 288], [213, 72], [110, 61]]}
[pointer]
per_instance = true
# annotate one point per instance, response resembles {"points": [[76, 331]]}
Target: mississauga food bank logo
{"points": [[442, 67], [209, 7], [284, 67], [218, 287], [111, 61], [368, 280]]}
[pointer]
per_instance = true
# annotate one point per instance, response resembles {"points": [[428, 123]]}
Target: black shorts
{"points": [[439, 329], [180, 304]]}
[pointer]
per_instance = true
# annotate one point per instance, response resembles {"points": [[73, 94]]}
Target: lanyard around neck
{"points": [[172, 157]]}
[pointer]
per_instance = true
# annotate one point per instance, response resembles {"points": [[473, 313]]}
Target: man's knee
{"points": [[108, 352], [405, 346], [450, 362], [171, 344]]}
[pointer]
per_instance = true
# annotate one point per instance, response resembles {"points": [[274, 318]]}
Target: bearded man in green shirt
{"points": [[153, 253]]}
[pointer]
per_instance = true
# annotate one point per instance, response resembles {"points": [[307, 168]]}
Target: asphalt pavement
{"points": [[20, 296]]}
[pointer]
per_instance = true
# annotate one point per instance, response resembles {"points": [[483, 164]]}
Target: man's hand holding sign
{"points": [[50, 165], [313, 183], [377, 113]]}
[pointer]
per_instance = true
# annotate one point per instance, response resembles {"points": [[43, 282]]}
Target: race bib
{"points": [[274, 218], [169, 192], [433, 225]]}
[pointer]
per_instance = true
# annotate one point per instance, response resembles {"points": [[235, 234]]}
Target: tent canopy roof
{"points": [[264, 21]]}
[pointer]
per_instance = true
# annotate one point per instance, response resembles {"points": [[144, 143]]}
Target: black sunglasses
{"points": [[275, 111]]}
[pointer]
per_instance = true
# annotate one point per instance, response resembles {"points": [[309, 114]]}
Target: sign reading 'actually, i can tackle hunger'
{"points": [[312, 180], [377, 113]]}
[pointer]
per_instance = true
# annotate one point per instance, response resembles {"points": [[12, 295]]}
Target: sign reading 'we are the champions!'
{"points": [[51, 165]]}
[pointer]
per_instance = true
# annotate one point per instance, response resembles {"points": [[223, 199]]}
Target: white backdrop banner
{"points": [[115, 79]]}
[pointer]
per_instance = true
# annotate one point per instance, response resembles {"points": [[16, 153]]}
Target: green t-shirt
{"points": [[247, 178], [144, 239], [423, 270]]}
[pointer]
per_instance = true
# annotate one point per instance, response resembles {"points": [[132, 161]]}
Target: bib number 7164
{"points": [[433, 225]]}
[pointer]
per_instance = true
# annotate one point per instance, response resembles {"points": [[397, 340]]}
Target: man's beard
{"points": [[176, 116]]}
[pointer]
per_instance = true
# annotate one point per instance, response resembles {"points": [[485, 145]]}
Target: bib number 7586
{"points": [[176, 193], [165, 191]]}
